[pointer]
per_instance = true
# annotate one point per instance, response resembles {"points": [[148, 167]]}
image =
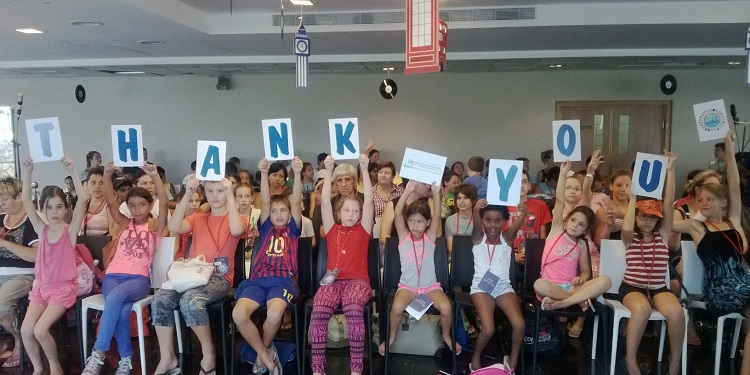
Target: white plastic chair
{"points": [[613, 265], [692, 278], [162, 259]]}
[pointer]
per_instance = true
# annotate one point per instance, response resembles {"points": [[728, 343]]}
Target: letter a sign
{"points": [[344, 135], [45, 141], [648, 176]]}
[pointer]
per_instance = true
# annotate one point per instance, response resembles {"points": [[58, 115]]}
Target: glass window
{"points": [[7, 164], [598, 132], [623, 135]]}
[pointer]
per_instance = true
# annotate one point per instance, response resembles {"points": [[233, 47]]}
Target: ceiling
{"points": [[207, 38]]}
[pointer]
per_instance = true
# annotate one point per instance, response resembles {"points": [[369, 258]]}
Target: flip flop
{"points": [[207, 372], [12, 361], [172, 371], [277, 361], [259, 369]]}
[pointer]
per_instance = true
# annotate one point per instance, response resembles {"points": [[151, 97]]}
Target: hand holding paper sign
{"points": [[28, 165], [329, 163], [151, 171], [192, 185], [109, 170], [263, 165], [297, 166], [672, 157]]}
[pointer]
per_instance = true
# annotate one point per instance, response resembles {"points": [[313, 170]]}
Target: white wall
{"points": [[503, 115]]}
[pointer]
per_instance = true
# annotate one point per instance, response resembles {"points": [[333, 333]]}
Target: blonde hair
{"points": [[11, 187], [700, 180]]}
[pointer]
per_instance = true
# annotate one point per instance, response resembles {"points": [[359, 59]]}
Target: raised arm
{"points": [[161, 193], [386, 220], [434, 229], [628, 222], [297, 191], [477, 232], [265, 190], [734, 211], [109, 196], [237, 227], [398, 211], [596, 160], [512, 231], [80, 210], [178, 224], [557, 211], [28, 201], [368, 208], [326, 210], [666, 224]]}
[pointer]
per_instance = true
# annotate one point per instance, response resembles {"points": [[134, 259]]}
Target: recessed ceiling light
{"points": [[301, 2], [388, 69], [150, 42], [734, 63], [30, 31], [86, 23], [129, 72], [555, 66]]}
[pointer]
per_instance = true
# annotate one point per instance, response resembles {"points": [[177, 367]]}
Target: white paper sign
{"points": [[504, 182], [711, 120], [277, 139], [210, 160], [648, 175], [45, 141], [566, 140], [422, 166], [127, 145], [344, 136]]}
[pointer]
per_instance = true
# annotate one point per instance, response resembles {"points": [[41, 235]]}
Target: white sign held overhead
{"points": [[210, 160], [648, 175], [344, 136], [504, 182], [711, 120], [127, 145], [277, 139], [45, 140], [422, 166], [566, 140]]}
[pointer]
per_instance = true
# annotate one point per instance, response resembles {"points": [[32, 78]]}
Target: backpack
{"points": [[496, 369], [89, 274], [552, 340]]}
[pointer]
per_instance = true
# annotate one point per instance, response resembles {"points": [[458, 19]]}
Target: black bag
{"points": [[552, 340]]}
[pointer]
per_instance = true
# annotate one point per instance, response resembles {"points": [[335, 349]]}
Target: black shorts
{"points": [[625, 289]]}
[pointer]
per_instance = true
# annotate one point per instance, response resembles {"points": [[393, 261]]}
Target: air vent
{"points": [[488, 14]]}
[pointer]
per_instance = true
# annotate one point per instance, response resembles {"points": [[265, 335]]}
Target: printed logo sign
{"points": [[711, 120]]}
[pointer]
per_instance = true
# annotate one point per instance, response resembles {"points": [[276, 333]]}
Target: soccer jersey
{"points": [[277, 254]]}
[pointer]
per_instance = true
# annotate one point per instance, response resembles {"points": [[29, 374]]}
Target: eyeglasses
{"points": [[647, 217]]}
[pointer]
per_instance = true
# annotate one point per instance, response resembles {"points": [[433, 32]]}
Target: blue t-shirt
{"points": [[277, 254], [481, 184]]}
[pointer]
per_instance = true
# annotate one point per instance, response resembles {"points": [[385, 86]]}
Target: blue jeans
{"points": [[120, 291]]}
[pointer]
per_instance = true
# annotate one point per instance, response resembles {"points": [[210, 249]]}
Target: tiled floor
{"points": [[575, 360]]}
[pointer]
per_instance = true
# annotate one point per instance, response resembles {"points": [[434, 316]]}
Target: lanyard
{"points": [[649, 271], [544, 263], [421, 261], [492, 255], [218, 233], [5, 231], [458, 221], [341, 244], [88, 216], [737, 245]]}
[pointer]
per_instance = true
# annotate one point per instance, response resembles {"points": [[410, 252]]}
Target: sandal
{"points": [[277, 361], [471, 331], [12, 361], [259, 368], [574, 332], [172, 371], [207, 372]]}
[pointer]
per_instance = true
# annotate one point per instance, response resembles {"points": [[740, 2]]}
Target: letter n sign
{"points": [[277, 139], [344, 136], [45, 140], [566, 140], [648, 175], [127, 145]]}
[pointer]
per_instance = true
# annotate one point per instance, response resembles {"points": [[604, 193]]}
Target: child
{"points": [[347, 282], [490, 220], [645, 230], [308, 183], [566, 274], [243, 193], [55, 287], [421, 226], [128, 276], [474, 175], [194, 205], [273, 277], [462, 222], [143, 180], [535, 223]]}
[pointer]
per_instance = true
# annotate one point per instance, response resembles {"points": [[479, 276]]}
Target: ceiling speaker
{"points": [[80, 94], [223, 83], [668, 84]]}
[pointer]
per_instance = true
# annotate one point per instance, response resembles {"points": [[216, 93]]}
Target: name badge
{"points": [[418, 306], [330, 277], [221, 266], [489, 282]]}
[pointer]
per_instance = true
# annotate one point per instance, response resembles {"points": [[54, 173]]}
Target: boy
{"points": [[474, 176]]}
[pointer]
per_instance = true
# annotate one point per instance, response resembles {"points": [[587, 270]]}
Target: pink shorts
{"points": [[62, 294], [416, 291]]}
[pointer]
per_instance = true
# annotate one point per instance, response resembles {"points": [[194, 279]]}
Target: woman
{"points": [[96, 221], [458, 169], [385, 190], [93, 160], [277, 176], [548, 160]]}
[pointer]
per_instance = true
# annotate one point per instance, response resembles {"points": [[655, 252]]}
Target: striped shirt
{"points": [[646, 263], [381, 203], [277, 255]]}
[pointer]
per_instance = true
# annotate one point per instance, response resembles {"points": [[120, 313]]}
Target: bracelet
{"points": [[589, 175]]}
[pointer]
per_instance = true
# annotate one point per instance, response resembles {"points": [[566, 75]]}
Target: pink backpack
{"points": [[89, 274], [496, 369]]}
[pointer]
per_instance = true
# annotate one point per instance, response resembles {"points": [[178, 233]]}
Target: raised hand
{"points": [[263, 165], [109, 169], [522, 208], [364, 161], [370, 147], [67, 163], [150, 170], [226, 184], [297, 165], [435, 188], [192, 185], [28, 165], [729, 140], [565, 168], [481, 203], [329, 163], [596, 160], [671, 158], [410, 187]]}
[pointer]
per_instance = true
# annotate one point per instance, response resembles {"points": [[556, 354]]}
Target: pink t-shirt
{"points": [[55, 261], [135, 250], [560, 259]]}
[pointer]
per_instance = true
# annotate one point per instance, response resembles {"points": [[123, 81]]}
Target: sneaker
{"points": [[94, 363], [124, 366]]}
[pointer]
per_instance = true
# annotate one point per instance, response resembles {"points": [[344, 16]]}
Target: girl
{"points": [[418, 267], [55, 287], [448, 194], [726, 284], [644, 232], [141, 179], [486, 260], [566, 271], [458, 169], [273, 277], [93, 160], [243, 193], [194, 205], [548, 159], [96, 221], [245, 177], [609, 218], [308, 184], [462, 222], [128, 275], [347, 283]]}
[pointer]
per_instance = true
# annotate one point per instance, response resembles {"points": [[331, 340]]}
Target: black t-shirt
{"points": [[24, 235]]}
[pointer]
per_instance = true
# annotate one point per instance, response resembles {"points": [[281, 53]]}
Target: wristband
{"points": [[589, 175]]}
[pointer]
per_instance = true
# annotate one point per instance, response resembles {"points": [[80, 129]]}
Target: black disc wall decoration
{"points": [[668, 84], [388, 88], [80, 94]]}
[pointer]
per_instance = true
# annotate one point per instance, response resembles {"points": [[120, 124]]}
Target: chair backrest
{"points": [[304, 265], [162, 260], [95, 244], [692, 268], [320, 269], [392, 267], [373, 264], [533, 265], [462, 262]]}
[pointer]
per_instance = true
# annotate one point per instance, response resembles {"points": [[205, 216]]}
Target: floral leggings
{"points": [[352, 295]]}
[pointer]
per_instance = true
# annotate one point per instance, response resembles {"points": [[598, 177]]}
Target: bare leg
{"points": [[485, 306], [207, 346], [400, 301], [241, 316], [33, 314], [668, 305], [511, 307], [7, 323], [41, 332], [546, 288], [590, 289], [167, 358], [443, 304], [640, 309]]}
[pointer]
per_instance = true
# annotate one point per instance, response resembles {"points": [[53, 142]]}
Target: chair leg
{"points": [[303, 345], [684, 346], [615, 337], [368, 329], [386, 338], [536, 340], [84, 334], [594, 337], [141, 342], [719, 335], [178, 329], [737, 327], [224, 346], [661, 339]]}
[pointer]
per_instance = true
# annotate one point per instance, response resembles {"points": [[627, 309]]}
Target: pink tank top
{"points": [[135, 251], [560, 259], [55, 262]]}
